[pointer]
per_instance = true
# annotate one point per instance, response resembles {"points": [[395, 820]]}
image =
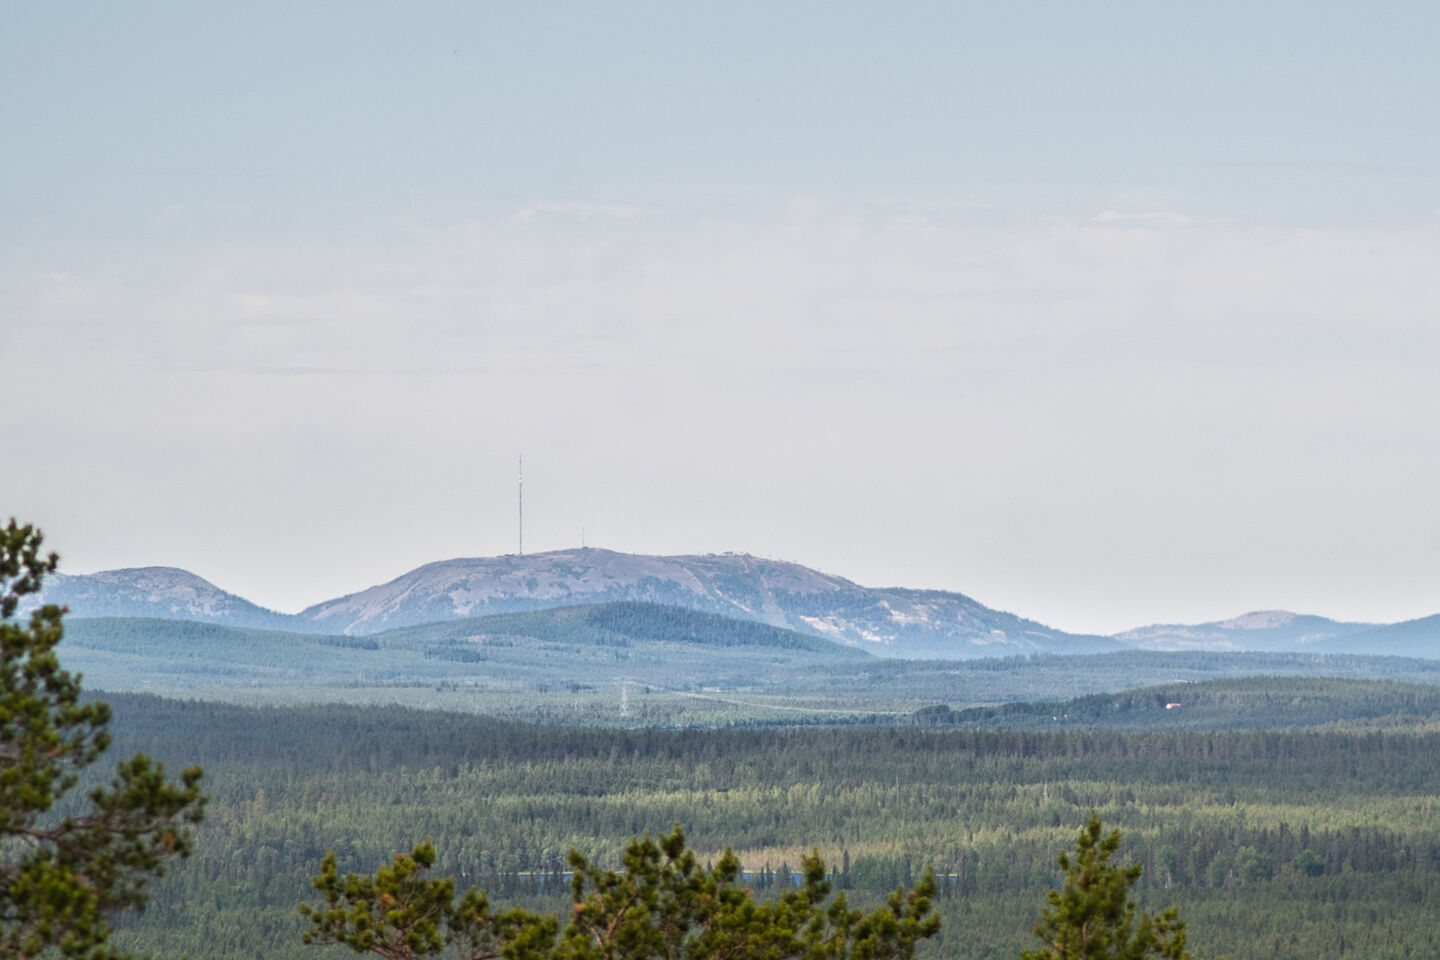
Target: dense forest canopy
{"points": [[1291, 843]]}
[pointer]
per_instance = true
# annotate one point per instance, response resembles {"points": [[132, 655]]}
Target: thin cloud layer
{"points": [[914, 391]]}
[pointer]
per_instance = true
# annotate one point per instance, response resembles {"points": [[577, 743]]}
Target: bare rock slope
{"points": [[166, 592], [887, 621]]}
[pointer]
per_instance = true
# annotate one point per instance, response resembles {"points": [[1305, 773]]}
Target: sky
{"points": [[1100, 313]]}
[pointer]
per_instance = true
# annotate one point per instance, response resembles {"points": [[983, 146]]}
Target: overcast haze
{"points": [[1102, 314]]}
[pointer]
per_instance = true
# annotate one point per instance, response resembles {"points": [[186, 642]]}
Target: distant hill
{"points": [[1266, 630], [687, 633], [886, 621], [1229, 703], [575, 659], [165, 592], [637, 663], [1412, 638]]}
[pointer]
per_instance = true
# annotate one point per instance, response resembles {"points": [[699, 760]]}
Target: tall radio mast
{"points": [[520, 493]]}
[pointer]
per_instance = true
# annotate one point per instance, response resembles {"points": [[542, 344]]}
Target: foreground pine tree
{"points": [[1092, 917], [63, 875], [661, 906]]}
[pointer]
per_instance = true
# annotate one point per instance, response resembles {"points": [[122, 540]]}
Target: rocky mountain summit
{"points": [[1266, 630], [886, 621], [1280, 631], [166, 592]]}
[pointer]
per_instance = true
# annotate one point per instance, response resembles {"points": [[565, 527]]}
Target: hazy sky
{"points": [[1100, 313]]}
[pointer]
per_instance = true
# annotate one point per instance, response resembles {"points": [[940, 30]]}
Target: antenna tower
{"points": [[520, 493]]}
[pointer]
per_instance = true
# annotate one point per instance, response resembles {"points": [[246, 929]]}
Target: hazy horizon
{"points": [[1103, 317]]}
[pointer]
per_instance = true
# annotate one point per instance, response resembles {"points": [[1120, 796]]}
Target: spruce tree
{"points": [[68, 864], [1094, 917]]}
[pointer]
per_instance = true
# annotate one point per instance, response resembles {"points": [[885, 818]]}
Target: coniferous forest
{"points": [[1297, 843]]}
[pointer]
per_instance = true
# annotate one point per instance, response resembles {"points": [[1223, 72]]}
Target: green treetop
{"points": [[662, 906], [1093, 917]]}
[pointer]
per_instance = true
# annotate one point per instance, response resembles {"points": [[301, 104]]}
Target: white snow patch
{"points": [[825, 627]]}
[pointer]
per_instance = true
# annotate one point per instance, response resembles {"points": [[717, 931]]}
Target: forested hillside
{"points": [[1289, 844], [1233, 703], [633, 663]]}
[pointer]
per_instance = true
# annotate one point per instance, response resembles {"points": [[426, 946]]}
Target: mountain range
{"points": [[1262, 630], [887, 621]]}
